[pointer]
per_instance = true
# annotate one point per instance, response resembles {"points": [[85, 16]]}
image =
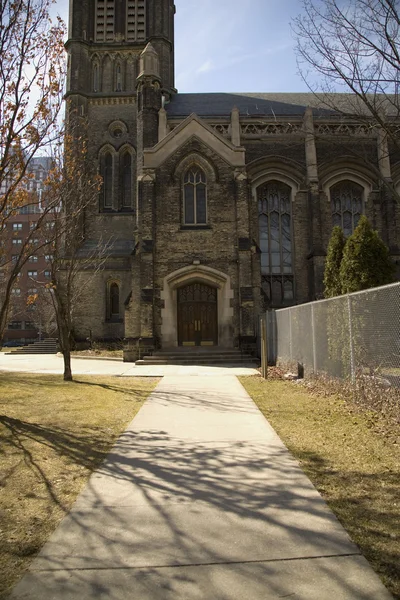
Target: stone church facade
{"points": [[218, 206]]}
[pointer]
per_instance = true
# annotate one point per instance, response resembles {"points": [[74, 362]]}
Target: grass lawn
{"points": [[352, 460], [53, 434]]}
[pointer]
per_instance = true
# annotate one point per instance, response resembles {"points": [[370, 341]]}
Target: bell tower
{"points": [[118, 28]]}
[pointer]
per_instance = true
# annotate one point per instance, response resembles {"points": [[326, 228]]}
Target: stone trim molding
{"points": [[277, 168], [346, 175], [193, 127], [195, 159]]}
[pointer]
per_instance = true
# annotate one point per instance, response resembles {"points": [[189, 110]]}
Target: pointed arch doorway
{"points": [[197, 315]]}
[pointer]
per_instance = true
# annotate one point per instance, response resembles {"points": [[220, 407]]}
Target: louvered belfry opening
{"points": [[120, 20]]}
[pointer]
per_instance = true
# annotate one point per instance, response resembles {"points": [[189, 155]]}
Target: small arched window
{"points": [[107, 175], [347, 205], [96, 77], [126, 180], [118, 77], [114, 300], [195, 197]]}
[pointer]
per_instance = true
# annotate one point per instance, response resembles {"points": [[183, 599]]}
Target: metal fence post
{"points": [[290, 334], [264, 347], [313, 340], [352, 367]]}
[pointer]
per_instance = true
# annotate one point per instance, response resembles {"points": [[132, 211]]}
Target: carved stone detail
{"points": [[347, 129], [266, 129]]}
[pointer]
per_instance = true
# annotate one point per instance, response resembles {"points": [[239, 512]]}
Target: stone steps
{"points": [[47, 346], [201, 356]]}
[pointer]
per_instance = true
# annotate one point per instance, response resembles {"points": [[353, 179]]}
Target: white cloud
{"points": [[206, 67]]}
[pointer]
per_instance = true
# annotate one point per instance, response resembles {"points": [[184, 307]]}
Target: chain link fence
{"points": [[344, 337]]}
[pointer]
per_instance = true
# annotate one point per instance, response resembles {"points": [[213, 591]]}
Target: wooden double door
{"points": [[197, 315]]}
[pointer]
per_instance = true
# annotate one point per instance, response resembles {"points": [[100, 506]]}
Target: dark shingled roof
{"points": [[221, 105]]}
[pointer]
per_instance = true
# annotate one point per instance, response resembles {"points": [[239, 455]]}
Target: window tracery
{"points": [[275, 236], [346, 205], [195, 197]]}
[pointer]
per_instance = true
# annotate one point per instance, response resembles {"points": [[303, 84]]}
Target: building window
{"points": [[96, 77], [195, 197], [107, 175], [118, 78], [113, 309], [33, 258], [47, 274], [16, 292], [17, 242], [15, 325], [17, 226], [275, 234], [347, 205], [32, 274], [126, 180]]}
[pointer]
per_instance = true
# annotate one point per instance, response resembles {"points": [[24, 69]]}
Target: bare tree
{"points": [[353, 47], [32, 73], [74, 261]]}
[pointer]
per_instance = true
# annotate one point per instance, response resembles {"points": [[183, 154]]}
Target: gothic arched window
{"points": [[114, 300], [106, 173], [126, 180], [275, 234], [113, 311], [118, 78], [347, 205], [195, 197], [96, 78]]}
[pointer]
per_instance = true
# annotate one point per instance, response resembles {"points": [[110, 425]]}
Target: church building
{"points": [[218, 206]]}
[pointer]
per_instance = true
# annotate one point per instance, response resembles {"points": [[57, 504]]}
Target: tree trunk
{"points": [[67, 365], [66, 351]]}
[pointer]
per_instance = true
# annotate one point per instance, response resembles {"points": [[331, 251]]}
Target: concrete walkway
{"points": [[52, 364], [200, 500]]}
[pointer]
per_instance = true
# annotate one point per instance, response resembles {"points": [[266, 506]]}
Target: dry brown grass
{"points": [[349, 457], [53, 434]]}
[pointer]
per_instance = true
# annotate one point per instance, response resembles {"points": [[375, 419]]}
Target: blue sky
{"points": [[233, 45]]}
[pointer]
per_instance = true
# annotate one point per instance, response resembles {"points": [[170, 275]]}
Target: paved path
{"points": [[52, 364], [200, 500]]}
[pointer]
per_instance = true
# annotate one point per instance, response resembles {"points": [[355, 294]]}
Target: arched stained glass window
{"points": [[347, 205], [107, 175], [275, 235], [126, 180], [195, 197]]}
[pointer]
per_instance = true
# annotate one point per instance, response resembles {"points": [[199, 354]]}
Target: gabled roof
{"points": [[193, 127]]}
